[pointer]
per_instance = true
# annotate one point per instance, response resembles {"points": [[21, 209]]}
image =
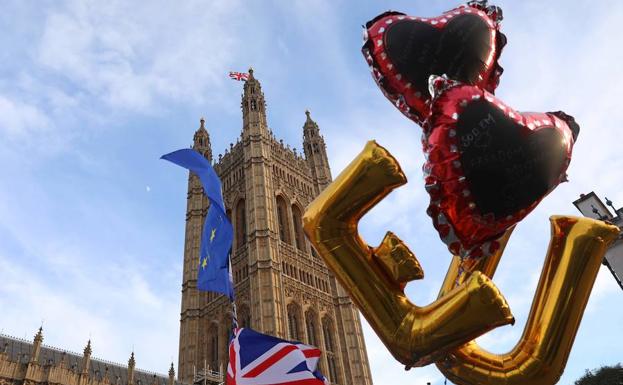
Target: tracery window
{"points": [[213, 343], [282, 217], [329, 344], [297, 218], [310, 323], [241, 224], [293, 322]]}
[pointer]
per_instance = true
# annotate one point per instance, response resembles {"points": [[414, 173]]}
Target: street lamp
{"points": [[591, 206]]}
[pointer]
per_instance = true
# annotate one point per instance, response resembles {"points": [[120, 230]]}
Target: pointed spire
{"points": [[87, 349], [171, 375], [86, 359], [310, 128], [316, 153], [36, 346], [39, 335], [131, 365], [253, 108], [201, 140]]}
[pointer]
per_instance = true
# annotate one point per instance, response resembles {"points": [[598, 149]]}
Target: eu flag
{"points": [[216, 239]]}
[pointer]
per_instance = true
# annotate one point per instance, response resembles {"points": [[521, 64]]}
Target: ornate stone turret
{"points": [[253, 108], [201, 140], [36, 346], [171, 375], [86, 358], [316, 153], [131, 366]]}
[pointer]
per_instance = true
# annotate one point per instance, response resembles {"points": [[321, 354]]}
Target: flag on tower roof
{"points": [[240, 76]]}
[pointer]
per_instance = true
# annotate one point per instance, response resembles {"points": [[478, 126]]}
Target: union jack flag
{"points": [[259, 359], [238, 76]]}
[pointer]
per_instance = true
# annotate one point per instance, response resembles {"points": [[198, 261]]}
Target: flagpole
{"points": [[233, 303]]}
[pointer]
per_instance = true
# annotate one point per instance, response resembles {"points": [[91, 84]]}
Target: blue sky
{"points": [[92, 93]]}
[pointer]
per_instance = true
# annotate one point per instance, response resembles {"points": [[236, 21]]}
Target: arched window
{"points": [[297, 218], [293, 322], [310, 325], [329, 346], [241, 223], [213, 346], [282, 217], [244, 316], [328, 335]]}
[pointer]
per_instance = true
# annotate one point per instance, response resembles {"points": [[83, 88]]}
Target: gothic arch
{"points": [[311, 327], [282, 219], [295, 332], [213, 346], [244, 316], [330, 348], [241, 223], [228, 214], [297, 219]]}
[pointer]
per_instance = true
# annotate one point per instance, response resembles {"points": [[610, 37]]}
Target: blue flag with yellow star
{"points": [[213, 270]]}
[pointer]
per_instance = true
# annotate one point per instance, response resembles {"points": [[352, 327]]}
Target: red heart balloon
{"points": [[404, 51], [488, 165]]}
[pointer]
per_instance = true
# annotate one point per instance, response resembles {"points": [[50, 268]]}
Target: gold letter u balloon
{"points": [[469, 304]]}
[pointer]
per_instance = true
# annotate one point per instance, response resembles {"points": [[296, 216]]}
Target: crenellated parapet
{"points": [[25, 362]]}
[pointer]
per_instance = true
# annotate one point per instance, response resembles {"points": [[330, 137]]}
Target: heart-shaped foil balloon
{"points": [[488, 165], [404, 51]]}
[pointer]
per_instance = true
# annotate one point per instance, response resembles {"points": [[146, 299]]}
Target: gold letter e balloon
{"points": [[469, 304]]}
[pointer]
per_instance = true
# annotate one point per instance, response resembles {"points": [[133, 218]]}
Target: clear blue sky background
{"points": [[93, 92]]}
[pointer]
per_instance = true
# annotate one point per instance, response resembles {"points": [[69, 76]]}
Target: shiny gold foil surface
{"points": [[575, 253], [397, 260], [469, 304], [415, 335]]}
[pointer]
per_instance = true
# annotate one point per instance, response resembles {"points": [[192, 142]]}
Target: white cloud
{"points": [[112, 305], [131, 54], [20, 120]]}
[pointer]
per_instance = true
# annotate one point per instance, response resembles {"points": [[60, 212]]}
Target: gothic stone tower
{"points": [[282, 286]]}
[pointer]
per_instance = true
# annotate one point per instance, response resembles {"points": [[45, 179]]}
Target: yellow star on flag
{"points": [[204, 263], [212, 235]]}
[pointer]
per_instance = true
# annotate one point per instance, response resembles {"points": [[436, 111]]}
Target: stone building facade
{"points": [[282, 286], [30, 362]]}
